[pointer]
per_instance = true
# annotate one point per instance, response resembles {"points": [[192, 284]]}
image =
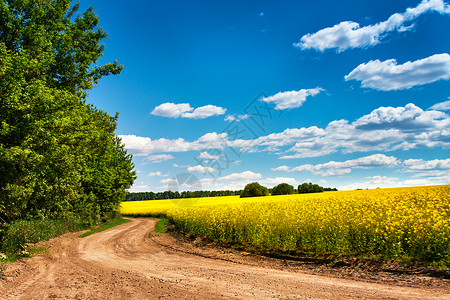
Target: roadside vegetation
{"points": [[62, 166]]}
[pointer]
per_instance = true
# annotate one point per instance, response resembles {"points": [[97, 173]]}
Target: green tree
{"points": [[305, 188], [58, 155], [254, 189], [283, 189]]}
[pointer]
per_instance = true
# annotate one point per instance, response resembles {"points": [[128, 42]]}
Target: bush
{"points": [[22, 232], [283, 189], [254, 189]]}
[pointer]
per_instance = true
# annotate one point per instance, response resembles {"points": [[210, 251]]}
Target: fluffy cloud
{"points": [[333, 168], [200, 169], [184, 110], [383, 129], [244, 176], [142, 146], [271, 182], [429, 168], [158, 158], [388, 75], [204, 112], [171, 110], [349, 34], [372, 183], [441, 106], [291, 99], [157, 174], [206, 155], [237, 118]]}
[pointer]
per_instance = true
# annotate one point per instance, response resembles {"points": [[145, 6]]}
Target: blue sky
{"points": [[347, 94]]}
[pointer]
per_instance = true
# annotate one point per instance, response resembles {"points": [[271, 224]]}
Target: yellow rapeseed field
{"points": [[399, 222]]}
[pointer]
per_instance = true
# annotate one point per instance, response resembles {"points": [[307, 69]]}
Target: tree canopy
{"points": [[254, 189], [58, 154], [283, 189]]}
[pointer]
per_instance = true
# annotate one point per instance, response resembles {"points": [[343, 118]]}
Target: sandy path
{"points": [[124, 263]]}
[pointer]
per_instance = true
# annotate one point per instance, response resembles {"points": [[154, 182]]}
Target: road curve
{"points": [[130, 262]]}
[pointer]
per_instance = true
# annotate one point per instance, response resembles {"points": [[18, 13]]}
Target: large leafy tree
{"points": [[58, 155]]}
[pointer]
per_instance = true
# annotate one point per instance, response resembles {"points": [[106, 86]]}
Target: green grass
{"points": [[108, 224], [161, 226]]}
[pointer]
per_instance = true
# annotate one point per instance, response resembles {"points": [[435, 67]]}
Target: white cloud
{"points": [[271, 182], [158, 174], [291, 99], [184, 110], [244, 176], [171, 110], [139, 188], [334, 168], [158, 158], [405, 118], [383, 129], [206, 155], [348, 34], [373, 182], [142, 146], [200, 169], [388, 75], [428, 168], [204, 112], [441, 106], [237, 118]]}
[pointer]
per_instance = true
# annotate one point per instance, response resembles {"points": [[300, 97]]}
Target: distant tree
{"points": [[305, 188], [254, 189], [283, 189]]}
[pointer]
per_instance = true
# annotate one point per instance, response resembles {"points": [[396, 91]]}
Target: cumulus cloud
{"points": [[184, 110], [388, 75], [441, 106], [200, 169], [142, 146], [158, 158], [156, 174], [237, 118], [383, 129], [204, 112], [271, 182], [206, 155], [333, 168], [171, 110], [373, 182], [349, 34], [291, 99], [244, 176], [429, 168]]}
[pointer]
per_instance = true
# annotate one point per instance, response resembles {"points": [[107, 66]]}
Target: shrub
{"points": [[254, 189]]}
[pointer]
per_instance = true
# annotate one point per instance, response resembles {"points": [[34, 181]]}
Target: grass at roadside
{"points": [[161, 226], [107, 225]]}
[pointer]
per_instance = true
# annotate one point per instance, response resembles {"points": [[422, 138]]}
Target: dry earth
{"points": [[124, 263]]}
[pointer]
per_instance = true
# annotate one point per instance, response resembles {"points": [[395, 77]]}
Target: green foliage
{"points": [[305, 188], [283, 189], [59, 157], [254, 189], [20, 233], [161, 225]]}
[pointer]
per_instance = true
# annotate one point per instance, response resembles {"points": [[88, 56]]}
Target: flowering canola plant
{"points": [[411, 222]]}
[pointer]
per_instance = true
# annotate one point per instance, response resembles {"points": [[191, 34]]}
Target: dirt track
{"points": [[124, 263]]}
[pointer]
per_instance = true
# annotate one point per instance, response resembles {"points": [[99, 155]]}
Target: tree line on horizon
{"points": [[253, 189]]}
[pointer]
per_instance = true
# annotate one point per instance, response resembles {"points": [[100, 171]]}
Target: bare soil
{"points": [[130, 261]]}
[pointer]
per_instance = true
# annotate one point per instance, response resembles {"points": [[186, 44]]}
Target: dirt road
{"points": [[124, 263]]}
